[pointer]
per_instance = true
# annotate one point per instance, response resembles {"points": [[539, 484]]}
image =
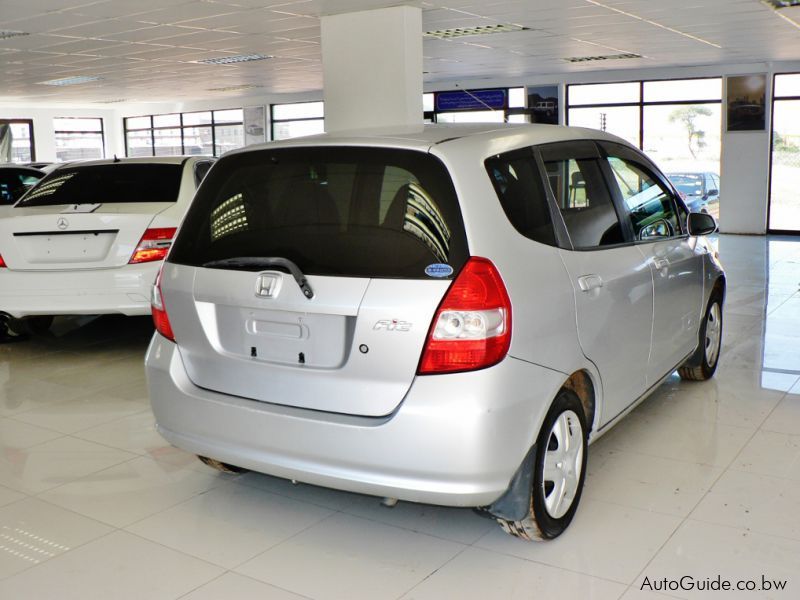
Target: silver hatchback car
{"points": [[447, 315]]}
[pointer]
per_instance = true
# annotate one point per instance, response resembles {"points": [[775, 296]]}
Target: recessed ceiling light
{"points": [[5, 34], [71, 80], [456, 32], [231, 60], [782, 3], [233, 88], [580, 59], [115, 101]]}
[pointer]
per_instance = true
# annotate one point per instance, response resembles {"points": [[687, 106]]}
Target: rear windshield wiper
{"points": [[262, 262]]}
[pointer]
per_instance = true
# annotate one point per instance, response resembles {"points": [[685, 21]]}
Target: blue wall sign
{"points": [[474, 100]]}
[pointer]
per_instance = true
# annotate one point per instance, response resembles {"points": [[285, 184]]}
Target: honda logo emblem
{"points": [[62, 223], [267, 285]]}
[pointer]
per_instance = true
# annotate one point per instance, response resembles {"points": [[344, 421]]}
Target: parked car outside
{"points": [[700, 191], [90, 236], [15, 180], [444, 315]]}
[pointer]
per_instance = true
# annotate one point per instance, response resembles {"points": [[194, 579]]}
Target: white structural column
{"points": [[372, 67]]}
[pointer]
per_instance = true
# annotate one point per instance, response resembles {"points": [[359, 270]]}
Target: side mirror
{"points": [[712, 192], [701, 224], [656, 230]]}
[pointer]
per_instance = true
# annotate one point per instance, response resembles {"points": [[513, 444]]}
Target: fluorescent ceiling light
{"points": [[580, 59], [115, 101], [231, 60], [456, 32], [5, 34], [71, 80], [233, 88]]}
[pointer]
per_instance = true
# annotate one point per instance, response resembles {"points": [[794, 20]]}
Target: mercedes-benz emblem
{"points": [[62, 223]]}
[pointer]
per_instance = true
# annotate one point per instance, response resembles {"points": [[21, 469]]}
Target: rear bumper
{"points": [[455, 440], [124, 290]]}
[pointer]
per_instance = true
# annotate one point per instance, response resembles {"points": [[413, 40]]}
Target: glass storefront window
{"points": [[78, 138], [619, 120]]}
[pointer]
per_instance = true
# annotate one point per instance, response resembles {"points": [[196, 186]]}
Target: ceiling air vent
{"points": [[232, 60], [457, 32], [5, 34], [580, 59], [71, 80]]}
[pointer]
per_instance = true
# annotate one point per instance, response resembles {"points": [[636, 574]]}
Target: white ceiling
{"points": [[145, 50]]}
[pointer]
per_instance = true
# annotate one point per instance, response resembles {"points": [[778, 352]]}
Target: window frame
{"points": [[29, 123], [182, 127], [774, 99], [273, 121], [102, 133]]}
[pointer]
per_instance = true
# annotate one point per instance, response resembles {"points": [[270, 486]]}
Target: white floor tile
{"points": [[7, 495], [15, 434], [348, 558], [753, 502], [702, 442], [648, 482], [248, 520], [32, 531], [131, 491], [232, 586], [327, 497], [704, 551], [604, 540], [478, 574], [81, 413], [50, 464], [457, 524], [786, 416], [121, 566], [134, 433], [769, 453]]}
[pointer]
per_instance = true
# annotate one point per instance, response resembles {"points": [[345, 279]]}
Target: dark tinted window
{"points": [[576, 181], [519, 187], [111, 183], [201, 170], [15, 182], [364, 212]]}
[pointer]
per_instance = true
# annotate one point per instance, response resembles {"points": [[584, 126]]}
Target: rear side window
{"points": [[14, 183], [362, 212], [519, 187], [581, 194], [107, 184]]}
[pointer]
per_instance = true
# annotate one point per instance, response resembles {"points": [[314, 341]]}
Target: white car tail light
{"points": [[472, 326], [154, 245], [160, 317]]}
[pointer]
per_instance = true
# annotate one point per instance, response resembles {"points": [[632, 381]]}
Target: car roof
{"points": [[31, 170], [423, 137], [158, 160]]}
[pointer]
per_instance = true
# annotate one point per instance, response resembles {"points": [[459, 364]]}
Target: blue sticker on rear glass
{"points": [[438, 270]]}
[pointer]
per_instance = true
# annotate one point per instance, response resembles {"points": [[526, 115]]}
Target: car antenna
{"points": [[116, 160], [476, 98]]}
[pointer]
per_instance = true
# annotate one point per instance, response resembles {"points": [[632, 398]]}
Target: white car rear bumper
{"points": [[124, 290]]}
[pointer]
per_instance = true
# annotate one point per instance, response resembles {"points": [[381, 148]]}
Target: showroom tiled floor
{"points": [[703, 479]]}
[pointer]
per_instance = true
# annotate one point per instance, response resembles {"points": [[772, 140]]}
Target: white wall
{"points": [[44, 133]]}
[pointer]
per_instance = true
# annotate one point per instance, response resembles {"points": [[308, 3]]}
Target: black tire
{"points": [[540, 524], [703, 365], [38, 325], [221, 466]]}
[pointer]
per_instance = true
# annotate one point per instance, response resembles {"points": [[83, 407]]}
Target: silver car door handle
{"points": [[661, 263], [590, 282]]}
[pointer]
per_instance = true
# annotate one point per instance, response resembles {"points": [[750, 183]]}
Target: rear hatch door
{"points": [[362, 226], [87, 217]]}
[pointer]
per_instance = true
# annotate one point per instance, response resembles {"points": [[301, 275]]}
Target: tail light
{"points": [[154, 245], [160, 317], [2, 262], [472, 326]]}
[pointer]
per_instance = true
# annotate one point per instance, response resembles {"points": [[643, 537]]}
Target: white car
{"points": [[89, 238], [445, 315]]}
